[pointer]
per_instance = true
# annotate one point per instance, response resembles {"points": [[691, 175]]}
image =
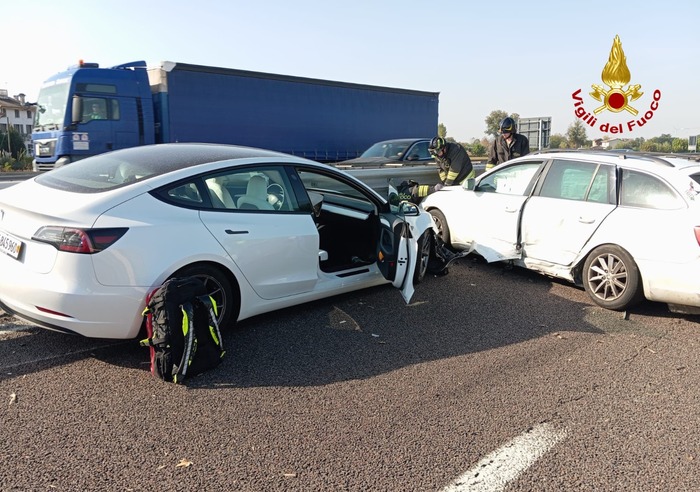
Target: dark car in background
{"points": [[400, 151]]}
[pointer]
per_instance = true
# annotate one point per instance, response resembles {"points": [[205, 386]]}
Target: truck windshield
{"points": [[51, 107]]}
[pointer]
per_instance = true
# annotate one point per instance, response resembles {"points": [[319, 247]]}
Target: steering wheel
{"points": [[275, 196]]}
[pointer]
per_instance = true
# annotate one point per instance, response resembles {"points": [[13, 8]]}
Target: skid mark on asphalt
{"points": [[502, 466]]}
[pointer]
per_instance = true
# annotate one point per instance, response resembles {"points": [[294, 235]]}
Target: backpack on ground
{"points": [[182, 330]]}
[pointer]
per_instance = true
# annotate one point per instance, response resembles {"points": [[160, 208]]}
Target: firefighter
{"points": [[454, 166], [508, 144]]}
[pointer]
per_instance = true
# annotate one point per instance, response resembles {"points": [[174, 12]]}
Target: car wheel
{"points": [[611, 278], [219, 288], [425, 248], [441, 224]]}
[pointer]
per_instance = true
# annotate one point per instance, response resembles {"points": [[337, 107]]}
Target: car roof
{"points": [[656, 161]]}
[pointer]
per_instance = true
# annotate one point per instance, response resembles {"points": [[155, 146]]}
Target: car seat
{"points": [[217, 188], [255, 197]]}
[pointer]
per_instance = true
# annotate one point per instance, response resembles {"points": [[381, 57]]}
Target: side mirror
{"points": [[408, 209], [469, 184], [76, 110]]}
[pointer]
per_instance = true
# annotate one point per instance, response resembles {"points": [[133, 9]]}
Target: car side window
{"points": [[577, 180], [187, 194], [251, 189], [643, 190], [419, 152], [511, 180]]}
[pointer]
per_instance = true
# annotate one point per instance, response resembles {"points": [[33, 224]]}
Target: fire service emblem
{"points": [[615, 98]]}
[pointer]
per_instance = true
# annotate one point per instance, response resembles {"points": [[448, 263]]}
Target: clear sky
{"points": [[525, 57]]}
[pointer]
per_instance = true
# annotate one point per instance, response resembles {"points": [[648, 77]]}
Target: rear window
{"points": [[119, 168], [100, 173]]}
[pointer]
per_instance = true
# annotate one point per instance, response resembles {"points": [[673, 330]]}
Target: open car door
{"points": [[398, 247]]}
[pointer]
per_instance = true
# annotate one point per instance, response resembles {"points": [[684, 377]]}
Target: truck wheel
{"points": [[219, 288], [441, 224], [611, 278]]}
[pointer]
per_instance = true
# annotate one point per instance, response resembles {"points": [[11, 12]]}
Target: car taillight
{"points": [[697, 234], [84, 241]]}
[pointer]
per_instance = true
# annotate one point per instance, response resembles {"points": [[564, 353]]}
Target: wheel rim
{"points": [[607, 277], [424, 255], [439, 225], [216, 291]]}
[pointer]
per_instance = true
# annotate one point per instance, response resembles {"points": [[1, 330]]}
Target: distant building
{"points": [[16, 113], [610, 144]]}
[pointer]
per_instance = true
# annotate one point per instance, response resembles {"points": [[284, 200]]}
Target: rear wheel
{"points": [[219, 288], [611, 278], [425, 248], [441, 224]]}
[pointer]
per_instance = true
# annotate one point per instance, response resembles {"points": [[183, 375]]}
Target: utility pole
{"points": [[3, 112]]}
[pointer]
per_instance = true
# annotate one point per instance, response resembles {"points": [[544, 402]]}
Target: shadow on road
{"points": [[476, 307]]}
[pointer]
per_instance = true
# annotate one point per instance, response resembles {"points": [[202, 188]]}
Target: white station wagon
{"points": [[624, 226]]}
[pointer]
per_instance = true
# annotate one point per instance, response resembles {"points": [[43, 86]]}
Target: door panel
{"points": [[277, 252]]}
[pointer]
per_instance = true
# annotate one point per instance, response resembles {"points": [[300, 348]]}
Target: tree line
{"points": [[574, 138]]}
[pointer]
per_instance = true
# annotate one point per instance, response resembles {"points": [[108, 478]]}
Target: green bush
{"points": [[9, 163]]}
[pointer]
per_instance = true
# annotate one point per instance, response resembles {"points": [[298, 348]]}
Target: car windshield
{"points": [[392, 150]]}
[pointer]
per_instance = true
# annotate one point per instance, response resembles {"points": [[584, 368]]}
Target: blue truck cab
{"points": [[87, 110]]}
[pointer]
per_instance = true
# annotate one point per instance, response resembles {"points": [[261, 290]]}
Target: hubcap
{"points": [[214, 290], [607, 277]]}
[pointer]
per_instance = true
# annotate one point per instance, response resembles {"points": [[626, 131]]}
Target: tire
{"points": [[441, 224], [425, 249], [611, 278], [219, 287]]}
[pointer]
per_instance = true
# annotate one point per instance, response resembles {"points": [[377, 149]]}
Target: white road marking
{"points": [[502, 466]]}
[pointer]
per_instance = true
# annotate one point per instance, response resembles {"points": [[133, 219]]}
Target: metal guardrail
{"points": [[378, 178]]}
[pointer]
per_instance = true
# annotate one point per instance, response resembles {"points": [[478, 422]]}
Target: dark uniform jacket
{"points": [[455, 166], [501, 151]]}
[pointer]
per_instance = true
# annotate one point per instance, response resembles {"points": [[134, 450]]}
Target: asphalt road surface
{"points": [[492, 379]]}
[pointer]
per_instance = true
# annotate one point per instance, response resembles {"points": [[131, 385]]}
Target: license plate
{"points": [[10, 245]]}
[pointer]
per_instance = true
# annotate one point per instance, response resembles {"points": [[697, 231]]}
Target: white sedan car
{"points": [[83, 245], [624, 226]]}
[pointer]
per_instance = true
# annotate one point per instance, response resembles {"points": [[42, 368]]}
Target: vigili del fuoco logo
{"points": [[615, 97]]}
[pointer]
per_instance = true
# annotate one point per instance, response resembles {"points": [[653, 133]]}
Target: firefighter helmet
{"points": [[436, 145], [507, 125]]}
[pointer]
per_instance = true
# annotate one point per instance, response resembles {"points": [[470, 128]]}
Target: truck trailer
{"points": [[87, 110]]}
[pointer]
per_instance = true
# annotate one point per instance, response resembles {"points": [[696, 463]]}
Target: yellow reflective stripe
{"points": [[185, 322], [213, 334], [489, 166], [442, 175], [471, 175], [451, 176], [213, 305], [423, 190]]}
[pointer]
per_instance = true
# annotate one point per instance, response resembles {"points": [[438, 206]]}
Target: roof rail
{"points": [[656, 157]]}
